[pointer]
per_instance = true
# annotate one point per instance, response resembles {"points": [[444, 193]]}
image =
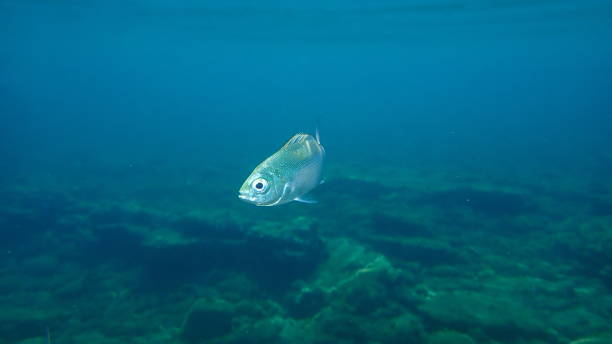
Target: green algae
{"points": [[387, 256]]}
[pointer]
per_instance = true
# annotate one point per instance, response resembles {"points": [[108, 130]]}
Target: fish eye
{"points": [[260, 184]]}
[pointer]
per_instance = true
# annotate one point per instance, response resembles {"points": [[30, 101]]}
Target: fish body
{"points": [[287, 175]]}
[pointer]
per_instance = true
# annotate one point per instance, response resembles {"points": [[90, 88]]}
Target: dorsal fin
{"points": [[297, 138]]}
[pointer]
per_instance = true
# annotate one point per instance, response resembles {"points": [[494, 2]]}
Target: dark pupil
{"points": [[259, 185]]}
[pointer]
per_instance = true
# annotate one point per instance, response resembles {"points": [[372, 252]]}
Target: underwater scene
{"points": [[309, 172]]}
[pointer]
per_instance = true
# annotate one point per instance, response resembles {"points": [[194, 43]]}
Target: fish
{"points": [[287, 175]]}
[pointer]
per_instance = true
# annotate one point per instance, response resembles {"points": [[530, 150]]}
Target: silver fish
{"points": [[287, 175]]}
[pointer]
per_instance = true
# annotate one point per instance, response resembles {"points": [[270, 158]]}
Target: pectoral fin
{"points": [[306, 199]]}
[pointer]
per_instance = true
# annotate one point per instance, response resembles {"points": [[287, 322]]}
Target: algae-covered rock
{"points": [[498, 317], [94, 337], [397, 226], [348, 261], [368, 289], [208, 319], [493, 203], [449, 337], [262, 331], [307, 302], [423, 251], [42, 265], [271, 254], [602, 339], [588, 244], [578, 322], [363, 299], [18, 323], [402, 329], [35, 340], [276, 254]]}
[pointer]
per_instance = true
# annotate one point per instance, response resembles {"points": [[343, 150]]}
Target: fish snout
{"points": [[245, 196]]}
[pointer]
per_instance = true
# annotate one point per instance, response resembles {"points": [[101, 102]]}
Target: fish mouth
{"points": [[245, 197]]}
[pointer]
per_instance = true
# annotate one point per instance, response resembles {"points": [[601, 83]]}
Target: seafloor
{"points": [[146, 254]]}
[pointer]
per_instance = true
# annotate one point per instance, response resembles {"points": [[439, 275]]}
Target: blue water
{"points": [[108, 78], [170, 104]]}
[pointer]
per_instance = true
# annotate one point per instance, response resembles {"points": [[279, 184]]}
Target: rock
{"points": [[589, 245], [279, 253], [368, 288], [578, 322], [403, 329], [342, 326], [492, 203], [397, 226], [423, 251], [21, 323], [307, 302], [449, 337], [94, 337], [41, 265], [604, 339], [499, 318], [208, 319], [266, 331], [35, 340]]}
